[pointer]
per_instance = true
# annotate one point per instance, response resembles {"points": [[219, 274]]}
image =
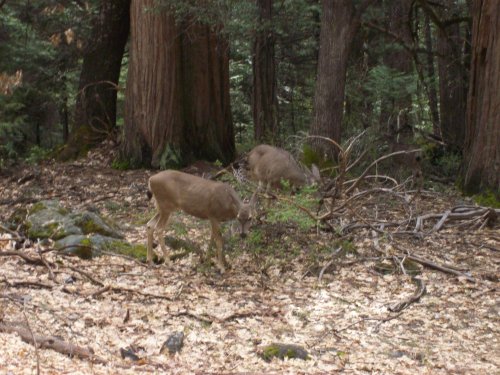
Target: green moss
{"points": [[283, 351], [270, 351], [18, 217], [137, 251], [349, 247], [488, 199], [51, 230], [86, 242], [37, 207], [120, 164], [90, 226]]}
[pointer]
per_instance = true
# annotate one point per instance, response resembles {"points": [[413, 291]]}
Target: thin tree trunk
{"points": [[264, 100], [433, 101], [395, 113], [339, 23], [452, 85]]}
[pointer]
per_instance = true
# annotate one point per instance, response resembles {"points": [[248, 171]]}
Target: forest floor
{"points": [[335, 307]]}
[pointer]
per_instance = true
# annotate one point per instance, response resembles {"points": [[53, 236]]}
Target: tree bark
{"points": [[431, 73], [481, 166], [265, 100], [95, 111], [452, 83], [208, 126], [395, 118], [177, 98], [339, 23]]}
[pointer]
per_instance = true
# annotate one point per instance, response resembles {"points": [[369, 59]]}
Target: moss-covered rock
{"points": [[283, 351], [90, 222], [76, 244], [48, 219], [89, 246]]}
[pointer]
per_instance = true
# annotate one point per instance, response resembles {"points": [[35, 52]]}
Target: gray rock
{"points": [[174, 343]]}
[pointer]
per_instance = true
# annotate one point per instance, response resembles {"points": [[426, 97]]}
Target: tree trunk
{"points": [[151, 100], [177, 98], [395, 112], [433, 101], [452, 84], [95, 111], [339, 23], [265, 101], [481, 168]]}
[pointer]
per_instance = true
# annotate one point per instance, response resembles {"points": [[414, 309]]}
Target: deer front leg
{"points": [[219, 260], [150, 228], [161, 226]]}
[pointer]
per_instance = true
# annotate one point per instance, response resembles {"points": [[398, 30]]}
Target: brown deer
{"points": [[269, 165], [198, 197]]}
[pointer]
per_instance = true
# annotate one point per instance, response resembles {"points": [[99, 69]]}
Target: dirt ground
{"points": [[334, 307]]}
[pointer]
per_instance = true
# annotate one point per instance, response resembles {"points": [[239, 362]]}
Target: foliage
{"points": [[288, 211], [42, 41]]}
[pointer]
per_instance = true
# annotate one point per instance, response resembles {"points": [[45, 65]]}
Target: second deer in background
{"points": [[268, 165]]}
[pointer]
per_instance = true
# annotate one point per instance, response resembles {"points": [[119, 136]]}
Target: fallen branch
{"points": [[33, 284], [46, 342], [119, 289], [438, 267], [400, 306], [25, 257]]}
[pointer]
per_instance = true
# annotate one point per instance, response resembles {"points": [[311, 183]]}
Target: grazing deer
{"points": [[198, 197], [269, 165]]}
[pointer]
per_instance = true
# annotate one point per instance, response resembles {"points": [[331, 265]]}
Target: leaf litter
{"points": [[341, 320]]}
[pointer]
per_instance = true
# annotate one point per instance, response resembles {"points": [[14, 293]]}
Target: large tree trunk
{"points": [[339, 23], [481, 169], [265, 100], [208, 126], [153, 119], [452, 84], [177, 99], [95, 112], [395, 112]]}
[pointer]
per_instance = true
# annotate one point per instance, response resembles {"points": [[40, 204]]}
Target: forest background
{"points": [[173, 83]]}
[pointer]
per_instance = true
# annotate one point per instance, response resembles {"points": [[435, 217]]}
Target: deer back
{"points": [[205, 199]]}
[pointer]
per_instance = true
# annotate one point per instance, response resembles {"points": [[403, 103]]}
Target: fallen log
{"points": [[53, 343]]}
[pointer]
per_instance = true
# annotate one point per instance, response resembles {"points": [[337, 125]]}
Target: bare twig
{"points": [[400, 306], [360, 178], [33, 338]]}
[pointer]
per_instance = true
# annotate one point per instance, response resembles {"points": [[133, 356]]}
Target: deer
{"points": [[268, 165], [204, 199]]}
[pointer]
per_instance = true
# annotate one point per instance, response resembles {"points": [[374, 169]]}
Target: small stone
{"points": [[174, 343], [129, 353]]}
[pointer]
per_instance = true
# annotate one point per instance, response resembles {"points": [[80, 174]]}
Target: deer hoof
{"points": [[220, 266]]}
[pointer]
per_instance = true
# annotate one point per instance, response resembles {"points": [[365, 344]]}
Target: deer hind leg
{"points": [[150, 228], [219, 260]]}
